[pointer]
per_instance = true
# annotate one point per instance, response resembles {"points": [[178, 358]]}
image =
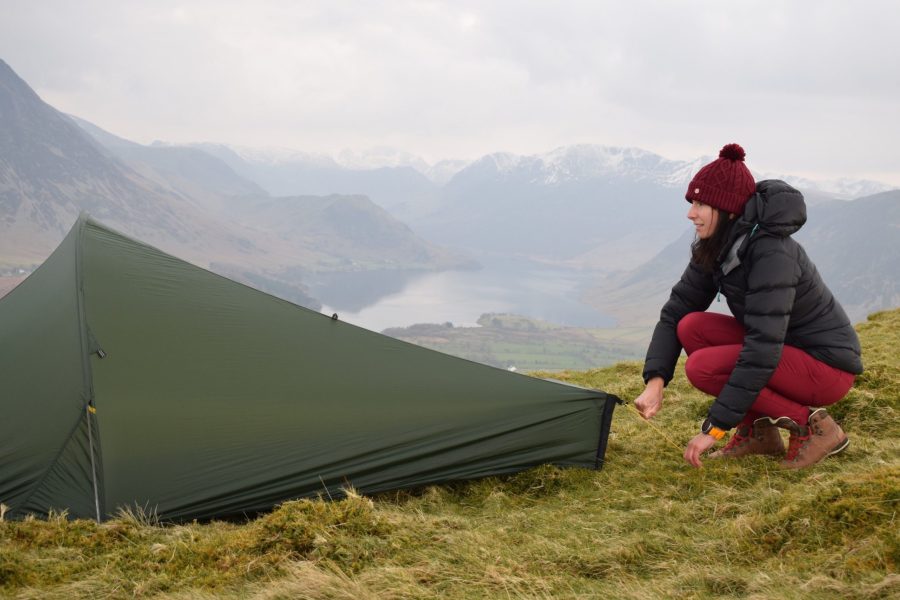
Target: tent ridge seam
{"points": [[86, 373]]}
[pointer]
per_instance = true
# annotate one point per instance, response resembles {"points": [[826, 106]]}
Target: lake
{"points": [[381, 299]]}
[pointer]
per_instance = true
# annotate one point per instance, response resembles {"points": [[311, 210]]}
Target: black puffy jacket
{"points": [[773, 289]]}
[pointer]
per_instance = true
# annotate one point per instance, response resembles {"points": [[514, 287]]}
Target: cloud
{"points": [[806, 86]]}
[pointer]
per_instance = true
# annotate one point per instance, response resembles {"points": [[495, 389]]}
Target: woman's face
{"points": [[704, 217]]}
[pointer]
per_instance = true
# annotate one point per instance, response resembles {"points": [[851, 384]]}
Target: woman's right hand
{"points": [[650, 400]]}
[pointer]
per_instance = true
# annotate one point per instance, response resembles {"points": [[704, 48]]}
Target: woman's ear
{"points": [[731, 216]]}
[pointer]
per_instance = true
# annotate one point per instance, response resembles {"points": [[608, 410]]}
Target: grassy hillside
{"points": [[646, 526]]}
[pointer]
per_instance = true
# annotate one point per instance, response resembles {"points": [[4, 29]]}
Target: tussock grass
{"points": [[646, 526]]}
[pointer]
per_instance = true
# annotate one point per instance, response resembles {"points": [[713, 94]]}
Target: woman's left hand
{"points": [[697, 446]]}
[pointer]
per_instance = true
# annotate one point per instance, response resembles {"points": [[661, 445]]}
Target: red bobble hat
{"points": [[724, 183]]}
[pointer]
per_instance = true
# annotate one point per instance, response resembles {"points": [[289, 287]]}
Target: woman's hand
{"points": [[650, 400], [697, 446]]}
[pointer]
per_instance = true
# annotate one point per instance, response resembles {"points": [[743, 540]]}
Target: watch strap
{"points": [[709, 429]]}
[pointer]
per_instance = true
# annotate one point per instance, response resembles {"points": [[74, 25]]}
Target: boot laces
{"points": [[795, 444]]}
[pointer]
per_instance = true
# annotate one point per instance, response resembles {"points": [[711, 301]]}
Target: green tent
{"points": [[130, 377]]}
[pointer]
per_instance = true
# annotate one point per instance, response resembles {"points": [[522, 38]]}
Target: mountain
{"points": [[187, 171], [854, 245], [401, 189], [345, 233], [50, 170], [589, 206]]}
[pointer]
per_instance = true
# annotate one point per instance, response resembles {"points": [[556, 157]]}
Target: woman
{"points": [[789, 350]]}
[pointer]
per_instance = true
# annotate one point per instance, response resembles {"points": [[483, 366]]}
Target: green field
{"points": [[505, 341], [646, 526]]}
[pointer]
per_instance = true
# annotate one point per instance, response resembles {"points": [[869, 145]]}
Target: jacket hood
{"points": [[776, 207]]}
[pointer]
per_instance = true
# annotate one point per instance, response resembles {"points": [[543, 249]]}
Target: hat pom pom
{"points": [[732, 152]]}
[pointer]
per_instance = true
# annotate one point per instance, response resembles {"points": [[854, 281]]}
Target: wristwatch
{"points": [[709, 429]]}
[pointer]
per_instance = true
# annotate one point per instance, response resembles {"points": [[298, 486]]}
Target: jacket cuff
{"points": [[717, 423], [648, 375]]}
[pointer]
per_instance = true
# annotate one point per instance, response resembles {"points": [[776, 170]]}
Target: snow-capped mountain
{"points": [[839, 189], [588, 162]]}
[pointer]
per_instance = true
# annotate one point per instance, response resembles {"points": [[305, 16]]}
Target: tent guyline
{"points": [[111, 338]]}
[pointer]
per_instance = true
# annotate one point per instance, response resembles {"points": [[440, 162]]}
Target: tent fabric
{"points": [[130, 377]]}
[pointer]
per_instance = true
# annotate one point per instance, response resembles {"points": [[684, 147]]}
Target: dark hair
{"points": [[706, 252]]}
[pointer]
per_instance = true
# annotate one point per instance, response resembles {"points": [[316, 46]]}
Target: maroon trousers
{"points": [[713, 342]]}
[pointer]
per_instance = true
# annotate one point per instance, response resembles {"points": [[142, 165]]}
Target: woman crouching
{"points": [[788, 351]]}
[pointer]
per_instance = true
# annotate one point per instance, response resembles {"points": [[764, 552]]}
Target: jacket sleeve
{"points": [[772, 278], [694, 292]]}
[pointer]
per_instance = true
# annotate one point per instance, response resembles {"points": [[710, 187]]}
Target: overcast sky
{"points": [[809, 88]]}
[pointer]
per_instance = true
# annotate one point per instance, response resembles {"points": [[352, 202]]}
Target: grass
{"points": [[646, 526]]}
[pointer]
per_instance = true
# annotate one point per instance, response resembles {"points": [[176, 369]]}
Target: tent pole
{"points": [[87, 412]]}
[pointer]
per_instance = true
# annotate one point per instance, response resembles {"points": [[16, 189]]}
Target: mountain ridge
{"points": [[50, 171]]}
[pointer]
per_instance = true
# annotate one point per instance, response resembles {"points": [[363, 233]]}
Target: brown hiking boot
{"points": [[760, 438], [810, 444]]}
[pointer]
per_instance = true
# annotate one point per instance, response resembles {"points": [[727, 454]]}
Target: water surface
{"points": [[378, 300]]}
